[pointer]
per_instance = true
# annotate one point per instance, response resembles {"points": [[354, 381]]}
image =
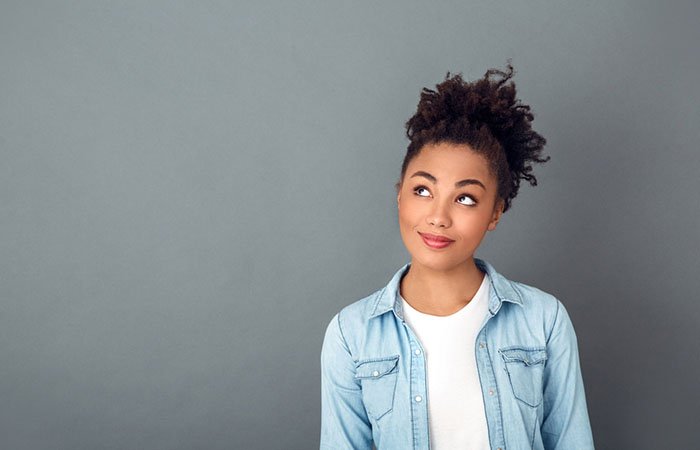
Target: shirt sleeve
{"points": [[565, 424], [344, 421]]}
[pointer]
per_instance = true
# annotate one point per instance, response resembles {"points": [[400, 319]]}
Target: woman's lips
{"points": [[434, 241]]}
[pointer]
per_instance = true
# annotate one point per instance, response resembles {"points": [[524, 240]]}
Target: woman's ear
{"points": [[496, 216], [398, 193]]}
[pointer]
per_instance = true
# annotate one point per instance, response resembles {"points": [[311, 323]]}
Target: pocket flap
{"points": [[528, 356], [376, 367]]}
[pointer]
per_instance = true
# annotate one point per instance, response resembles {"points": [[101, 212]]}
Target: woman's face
{"points": [[447, 191]]}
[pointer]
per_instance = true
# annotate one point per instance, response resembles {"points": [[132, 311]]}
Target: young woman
{"points": [[451, 354]]}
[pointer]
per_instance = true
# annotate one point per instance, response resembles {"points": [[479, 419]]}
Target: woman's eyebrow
{"points": [[461, 183]]}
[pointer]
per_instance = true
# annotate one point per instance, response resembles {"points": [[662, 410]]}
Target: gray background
{"points": [[191, 190]]}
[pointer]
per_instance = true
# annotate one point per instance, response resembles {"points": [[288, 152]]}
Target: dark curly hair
{"points": [[485, 115]]}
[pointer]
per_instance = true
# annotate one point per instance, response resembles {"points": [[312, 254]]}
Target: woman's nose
{"points": [[439, 216]]}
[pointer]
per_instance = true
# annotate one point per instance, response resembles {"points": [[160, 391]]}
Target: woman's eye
{"points": [[418, 189], [468, 200]]}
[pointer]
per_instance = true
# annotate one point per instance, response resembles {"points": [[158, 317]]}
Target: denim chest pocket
{"points": [[378, 377], [525, 367]]}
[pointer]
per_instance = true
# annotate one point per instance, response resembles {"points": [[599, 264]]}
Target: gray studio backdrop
{"points": [[191, 190]]}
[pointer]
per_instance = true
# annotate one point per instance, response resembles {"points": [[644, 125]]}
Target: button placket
{"points": [[419, 422], [488, 378]]}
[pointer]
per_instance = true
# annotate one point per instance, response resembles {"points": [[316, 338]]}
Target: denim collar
{"points": [[501, 291]]}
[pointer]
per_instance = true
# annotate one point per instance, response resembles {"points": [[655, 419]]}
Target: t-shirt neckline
{"points": [[463, 310]]}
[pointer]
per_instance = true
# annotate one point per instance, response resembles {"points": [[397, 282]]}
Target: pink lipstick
{"points": [[435, 241]]}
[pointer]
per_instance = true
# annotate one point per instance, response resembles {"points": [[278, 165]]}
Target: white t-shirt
{"points": [[455, 404]]}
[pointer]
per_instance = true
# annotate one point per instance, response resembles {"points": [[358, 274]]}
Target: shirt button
{"points": [[375, 373], [418, 398], [481, 345], [417, 352], [490, 391], [499, 448]]}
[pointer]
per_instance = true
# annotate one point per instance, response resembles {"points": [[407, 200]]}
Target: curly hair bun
{"points": [[486, 115]]}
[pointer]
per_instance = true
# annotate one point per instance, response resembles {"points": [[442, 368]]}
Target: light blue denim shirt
{"points": [[373, 373]]}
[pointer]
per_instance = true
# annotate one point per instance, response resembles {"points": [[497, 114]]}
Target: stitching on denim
{"points": [[394, 371], [390, 410], [514, 288], [534, 427], [512, 388], [410, 406], [515, 360], [481, 380], [394, 368], [556, 316], [500, 410], [492, 273], [382, 358], [392, 405], [527, 362], [342, 335], [522, 347], [376, 303], [501, 434], [517, 292], [540, 352], [341, 388]]}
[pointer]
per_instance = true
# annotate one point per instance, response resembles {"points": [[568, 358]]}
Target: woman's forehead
{"points": [[450, 161]]}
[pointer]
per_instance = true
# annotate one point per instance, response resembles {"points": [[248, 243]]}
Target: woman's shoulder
{"points": [[380, 301], [531, 313], [537, 306], [350, 325], [529, 297], [359, 311], [535, 297]]}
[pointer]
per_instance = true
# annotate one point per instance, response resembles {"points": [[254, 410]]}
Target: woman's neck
{"points": [[440, 293]]}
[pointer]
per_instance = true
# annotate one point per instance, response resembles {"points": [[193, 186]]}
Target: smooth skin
{"points": [[442, 281]]}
